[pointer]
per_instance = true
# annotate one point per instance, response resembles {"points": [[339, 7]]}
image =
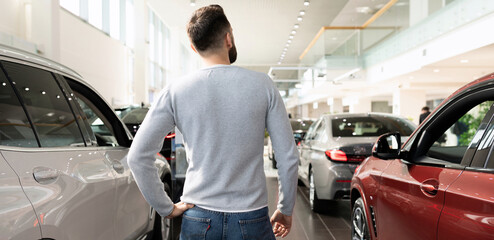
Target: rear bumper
{"points": [[332, 180]]}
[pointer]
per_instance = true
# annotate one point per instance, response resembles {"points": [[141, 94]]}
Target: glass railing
{"points": [[394, 32]]}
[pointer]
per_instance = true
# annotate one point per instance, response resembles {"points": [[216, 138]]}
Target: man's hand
{"points": [[179, 209], [281, 224]]}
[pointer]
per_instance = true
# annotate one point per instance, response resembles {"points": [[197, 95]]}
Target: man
{"points": [[222, 112], [424, 113]]}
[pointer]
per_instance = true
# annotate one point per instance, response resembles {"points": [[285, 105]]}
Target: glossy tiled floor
{"points": [[333, 224]]}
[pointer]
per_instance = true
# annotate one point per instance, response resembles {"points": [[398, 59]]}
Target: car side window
{"points": [[321, 133], [15, 128], [53, 120], [462, 138], [99, 124], [311, 131]]}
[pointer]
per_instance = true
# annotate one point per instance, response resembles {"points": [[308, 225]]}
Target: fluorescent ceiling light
{"points": [[464, 61], [306, 3], [302, 12], [296, 26], [291, 37], [436, 70], [279, 63], [347, 74], [289, 41], [284, 49], [192, 3], [293, 31], [299, 18]]}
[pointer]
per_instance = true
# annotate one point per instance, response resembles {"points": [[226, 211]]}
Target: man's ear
{"points": [[193, 48], [228, 40]]}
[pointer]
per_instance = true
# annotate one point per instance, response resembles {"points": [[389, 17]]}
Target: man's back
{"points": [[221, 112]]}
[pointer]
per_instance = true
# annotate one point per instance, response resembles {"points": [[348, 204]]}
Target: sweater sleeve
{"points": [[287, 156], [147, 143]]}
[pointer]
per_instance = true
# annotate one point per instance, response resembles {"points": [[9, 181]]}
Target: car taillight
{"points": [[299, 143], [336, 155], [172, 135]]}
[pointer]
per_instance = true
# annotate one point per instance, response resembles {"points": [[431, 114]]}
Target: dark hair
{"points": [[425, 108], [207, 26]]}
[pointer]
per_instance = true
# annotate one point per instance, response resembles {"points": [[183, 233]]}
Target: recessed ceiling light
{"points": [[279, 63], [289, 41], [284, 49], [299, 18], [192, 3], [291, 37], [296, 26], [293, 31], [302, 12], [366, 10], [464, 61], [306, 3], [436, 70], [287, 45]]}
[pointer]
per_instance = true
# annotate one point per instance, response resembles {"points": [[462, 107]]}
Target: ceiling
{"points": [[262, 27]]}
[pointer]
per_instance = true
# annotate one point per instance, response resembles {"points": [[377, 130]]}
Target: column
{"points": [[140, 52], [364, 105], [419, 10], [45, 28], [408, 103]]}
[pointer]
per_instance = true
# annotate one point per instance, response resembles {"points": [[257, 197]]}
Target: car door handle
{"points": [[119, 168], [44, 175], [429, 188]]}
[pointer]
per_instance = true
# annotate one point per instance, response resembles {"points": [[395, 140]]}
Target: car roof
{"points": [[345, 115], [21, 56]]}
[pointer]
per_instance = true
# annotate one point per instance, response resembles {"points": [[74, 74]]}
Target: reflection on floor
{"points": [[334, 223]]}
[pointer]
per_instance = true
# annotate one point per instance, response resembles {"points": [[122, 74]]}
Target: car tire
{"points": [[163, 226], [360, 228], [316, 204]]}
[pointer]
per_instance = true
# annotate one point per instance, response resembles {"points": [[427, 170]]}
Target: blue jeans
{"points": [[199, 223]]}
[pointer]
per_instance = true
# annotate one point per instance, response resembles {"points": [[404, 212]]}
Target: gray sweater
{"points": [[222, 112]]}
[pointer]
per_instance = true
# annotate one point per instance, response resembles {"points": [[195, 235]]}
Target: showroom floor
{"points": [[334, 223]]}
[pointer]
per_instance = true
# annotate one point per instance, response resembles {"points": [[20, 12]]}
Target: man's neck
{"points": [[216, 59]]}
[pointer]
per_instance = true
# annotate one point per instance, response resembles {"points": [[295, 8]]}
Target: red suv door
{"points": [[412, 192], [469, 201]]}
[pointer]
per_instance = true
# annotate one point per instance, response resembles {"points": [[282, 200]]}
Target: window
{"points": [[72, 6], [99, 123], [320, 130], [47, 106], [464, 134], [15, 129], [114, 17], [371, 126], [159, 52]]}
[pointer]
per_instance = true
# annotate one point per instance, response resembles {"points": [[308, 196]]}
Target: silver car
{"points": [[335, 145], [63, 168]]}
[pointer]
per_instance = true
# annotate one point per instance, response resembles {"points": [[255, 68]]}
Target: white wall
{"points": [[100, 59], [10, 17]]}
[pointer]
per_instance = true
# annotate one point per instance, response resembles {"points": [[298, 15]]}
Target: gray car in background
{"points": [[335, 145], [63, 167]]}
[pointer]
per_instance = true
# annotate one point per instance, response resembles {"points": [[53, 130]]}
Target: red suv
{"points": [[440, 183]]}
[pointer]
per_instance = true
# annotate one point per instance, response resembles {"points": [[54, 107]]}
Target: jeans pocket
{"points": [[194, 228], [259, 228]]}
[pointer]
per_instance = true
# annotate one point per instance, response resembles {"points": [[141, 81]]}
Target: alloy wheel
{"points": [[311, 189], [359, 226]]}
